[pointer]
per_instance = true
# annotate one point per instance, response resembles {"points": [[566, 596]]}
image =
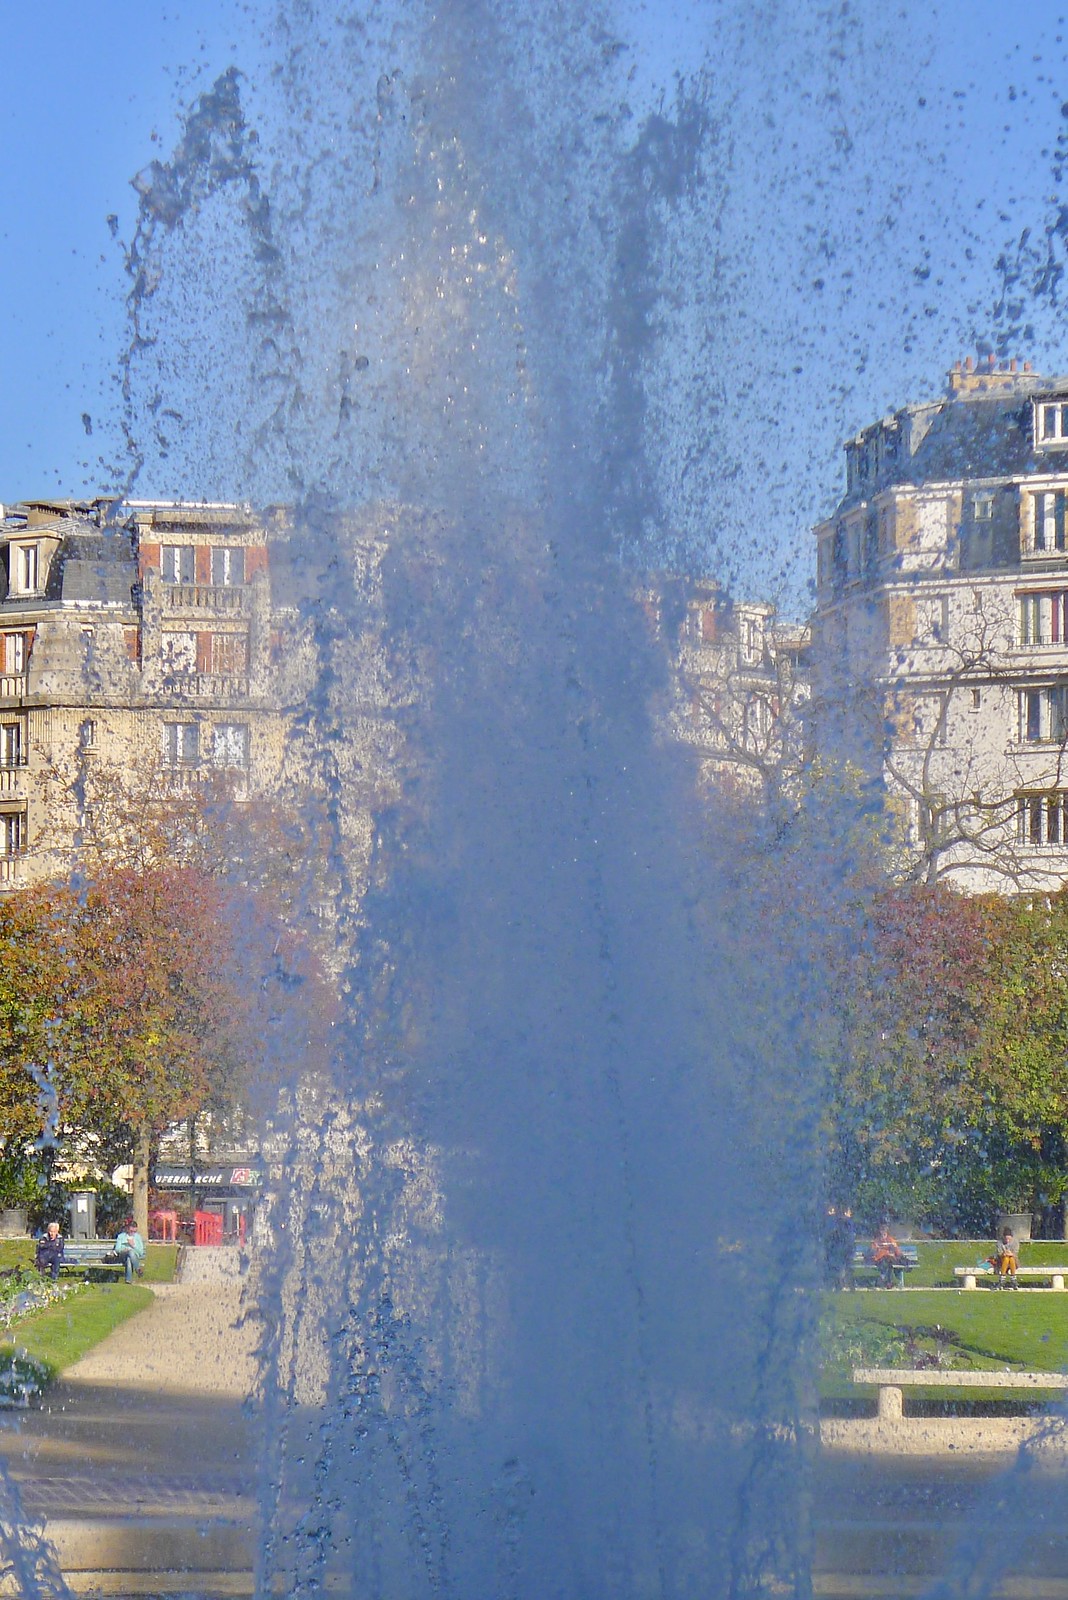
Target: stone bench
{"points": [[971, 1275], [890, 1381]]}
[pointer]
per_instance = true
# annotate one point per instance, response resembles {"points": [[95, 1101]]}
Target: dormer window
{"points": [[25, 569], [1053, 422], [983, 507]]}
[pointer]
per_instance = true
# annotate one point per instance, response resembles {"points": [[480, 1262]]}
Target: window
{"points": [[15, 652], [179, 653], [230, 744], [181, 743], [886, 530], [1049, 535], [1044, 714], [178, 563], [1042, 819], [931, 624], [26, 569], [227, 565], [1043, 618], [977, 699], [12, 833], [87, 734], [983, 506], [856, 545], [11, 746], [1053, 422], [229, 653]]}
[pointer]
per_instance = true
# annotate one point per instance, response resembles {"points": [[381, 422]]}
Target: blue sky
{"points": [[91, 95], [879, 164]]}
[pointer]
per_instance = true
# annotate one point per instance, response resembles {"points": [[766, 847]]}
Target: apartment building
{"points": [[940, 638], [739, 682], [137, 661]]}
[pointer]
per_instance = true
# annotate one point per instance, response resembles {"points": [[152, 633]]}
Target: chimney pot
{"points": [[1027, 366]]}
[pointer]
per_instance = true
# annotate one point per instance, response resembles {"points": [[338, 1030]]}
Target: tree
{"points": [[1025, 1054], [950, 1081], [908, 999], [156, 1018], [32, 976], [143, 997]]}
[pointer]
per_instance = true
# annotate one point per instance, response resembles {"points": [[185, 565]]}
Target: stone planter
{"points": [[1018, 1221], [14, 1223]]}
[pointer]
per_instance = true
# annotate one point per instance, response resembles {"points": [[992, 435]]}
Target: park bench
{"points": [[81, 1253], [890, 1381], [971, 1275], [863, 1268]]}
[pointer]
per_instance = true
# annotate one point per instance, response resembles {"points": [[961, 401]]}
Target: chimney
{"points": [[968, 364], [1012, 364], [1027, 366]]}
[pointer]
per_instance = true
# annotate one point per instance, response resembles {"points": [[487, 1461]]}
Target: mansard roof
{"points": [[983, 427]]}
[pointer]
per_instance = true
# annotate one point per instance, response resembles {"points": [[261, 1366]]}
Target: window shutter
{"points": [[204, 641], [203, 566]]}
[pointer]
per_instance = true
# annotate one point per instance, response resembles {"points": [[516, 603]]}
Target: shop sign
{"points": [[207, 1178]]}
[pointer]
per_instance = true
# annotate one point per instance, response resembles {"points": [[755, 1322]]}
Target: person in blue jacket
{"points": [[130, 1249], [49, 1250]]}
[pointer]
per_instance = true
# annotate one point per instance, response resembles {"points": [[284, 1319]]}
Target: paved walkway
{"points": [[981, 1437], [141, 1460]]}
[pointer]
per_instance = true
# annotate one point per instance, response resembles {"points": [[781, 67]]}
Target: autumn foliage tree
{"points": [[139, 998], [950, 1067]]}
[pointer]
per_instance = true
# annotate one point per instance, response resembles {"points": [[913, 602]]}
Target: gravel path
{"points": [[192, 1339], [155, 1414]]}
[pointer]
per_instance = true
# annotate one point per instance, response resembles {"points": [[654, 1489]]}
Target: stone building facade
{"points": [[168, 656], [941, 628], [739, 688], [136, 661]]}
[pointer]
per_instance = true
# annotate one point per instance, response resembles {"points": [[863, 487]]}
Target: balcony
{"points": [[12, 685], [12, 871], [13, 780], [227, 687], [204, 597], [198, 777]]}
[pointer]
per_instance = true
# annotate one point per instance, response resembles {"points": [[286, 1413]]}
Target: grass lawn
{"points": [[965, 1329], [59, 1335], [939, 1257], [38, 1346]]}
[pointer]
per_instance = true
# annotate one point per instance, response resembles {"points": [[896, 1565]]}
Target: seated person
{"points": [[49, 1250], [1005, 1260], [130, 1249], [888, 1256]]}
